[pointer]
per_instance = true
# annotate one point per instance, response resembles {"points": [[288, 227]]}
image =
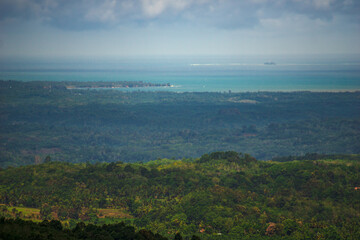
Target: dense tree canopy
{"points": [[225, 193]]}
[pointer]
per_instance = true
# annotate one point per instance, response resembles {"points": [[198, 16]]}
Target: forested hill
{"points": [[38, 119], [220, 193]]}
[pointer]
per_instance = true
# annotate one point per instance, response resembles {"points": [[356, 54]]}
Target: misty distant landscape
{"points": [[80, 125]]}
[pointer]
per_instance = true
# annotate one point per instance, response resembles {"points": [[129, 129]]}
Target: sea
{"points": [[248, 73]]}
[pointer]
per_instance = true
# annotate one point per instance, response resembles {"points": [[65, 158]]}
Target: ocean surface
{"points": [[197, 73]]}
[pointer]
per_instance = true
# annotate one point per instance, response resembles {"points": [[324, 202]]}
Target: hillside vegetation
{"points": [[220, 195]]}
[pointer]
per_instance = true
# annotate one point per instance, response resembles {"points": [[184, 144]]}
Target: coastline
{"points": [[195, 85]]}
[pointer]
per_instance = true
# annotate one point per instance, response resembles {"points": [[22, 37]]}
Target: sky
{"points": [[52, 28]]}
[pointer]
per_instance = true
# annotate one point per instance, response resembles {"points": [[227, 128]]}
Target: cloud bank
{"points": [[178, 27], [233, 14]]}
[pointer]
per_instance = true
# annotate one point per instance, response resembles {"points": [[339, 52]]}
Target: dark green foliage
{"points": [[195, 237], [27, 230], [47, 159], [110, 125], [316, 156], [178, 237], [229, 156]]}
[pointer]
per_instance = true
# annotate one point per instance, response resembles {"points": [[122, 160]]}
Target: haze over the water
{"points": [[61, 28]]}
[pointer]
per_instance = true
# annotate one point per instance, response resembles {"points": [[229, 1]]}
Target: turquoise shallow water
{"points": [[199, 74]]}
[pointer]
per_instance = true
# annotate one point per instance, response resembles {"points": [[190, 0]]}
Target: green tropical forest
{"points": [[92, 161], [222, 195]]}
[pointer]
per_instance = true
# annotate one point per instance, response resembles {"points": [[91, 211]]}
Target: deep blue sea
{"points": [[197, 73]]}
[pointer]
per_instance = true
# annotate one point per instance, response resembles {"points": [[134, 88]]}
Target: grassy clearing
{"points": [[112, 213], [28, 211], [22, 212], [34, 213]]}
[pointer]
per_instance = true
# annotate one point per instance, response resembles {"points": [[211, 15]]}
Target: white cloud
{"points": [[225, 14], [154, 8]]}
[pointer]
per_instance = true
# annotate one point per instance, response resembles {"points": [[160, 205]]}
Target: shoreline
{"points": [[129, 86], [173, 89]]}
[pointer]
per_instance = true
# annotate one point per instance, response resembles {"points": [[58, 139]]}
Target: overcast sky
{"points": [[180, 27]]}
